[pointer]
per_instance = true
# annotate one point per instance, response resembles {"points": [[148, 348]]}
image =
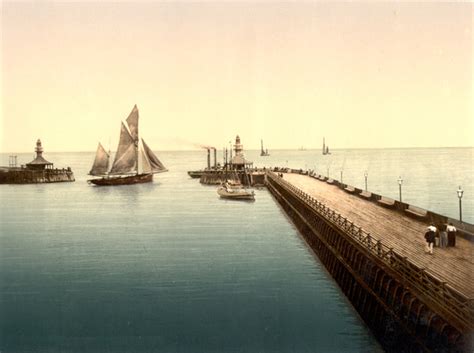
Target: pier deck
{"points": [[405, 235]]}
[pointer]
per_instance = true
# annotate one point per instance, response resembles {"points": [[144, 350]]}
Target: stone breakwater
{"points": [[27, 176]]}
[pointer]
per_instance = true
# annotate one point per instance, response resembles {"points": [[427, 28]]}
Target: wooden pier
{"points": [[374, 249], [405, 235]]}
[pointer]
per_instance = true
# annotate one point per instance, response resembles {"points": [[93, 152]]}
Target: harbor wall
{"points": [[247, 178], [29, 176], [406, 308]]}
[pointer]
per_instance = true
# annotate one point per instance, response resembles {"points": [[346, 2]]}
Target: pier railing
{"points": [[456, 304]]}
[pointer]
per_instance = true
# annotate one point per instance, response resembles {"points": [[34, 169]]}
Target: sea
{"points": [[169, 267]]}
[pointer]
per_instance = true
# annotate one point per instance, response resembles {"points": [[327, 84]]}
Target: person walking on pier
{"points": [[430, 236], [451, 234]]}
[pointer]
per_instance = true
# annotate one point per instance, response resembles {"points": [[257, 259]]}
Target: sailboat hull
{"points": [[123, 180]]}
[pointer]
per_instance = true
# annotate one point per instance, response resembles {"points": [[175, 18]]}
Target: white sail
{"points": [[101, 162], [144, 163], [132, 157], [125, 161], [132, 122], [155, 163]]}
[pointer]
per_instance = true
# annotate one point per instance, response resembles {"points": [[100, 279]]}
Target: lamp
{"points": [[400, 182], [460, 191]]}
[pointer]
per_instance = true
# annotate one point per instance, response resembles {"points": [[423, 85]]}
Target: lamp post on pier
{"points": [[341, 176], [366, 175], [460, 191], [400, 182]]}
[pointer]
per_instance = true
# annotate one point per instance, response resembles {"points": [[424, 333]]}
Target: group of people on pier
{"points": [[443, 237]]}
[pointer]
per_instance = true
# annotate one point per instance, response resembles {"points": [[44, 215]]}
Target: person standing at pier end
{"points": [[451, 234], [443, 236]]}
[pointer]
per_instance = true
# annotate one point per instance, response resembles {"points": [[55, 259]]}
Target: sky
{"points": [[360, 74]]}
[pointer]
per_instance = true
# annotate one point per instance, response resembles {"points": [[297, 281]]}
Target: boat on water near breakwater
{"points": [[263, 152], [134, 161], [37, 171], [325, 148], [235, 191]]}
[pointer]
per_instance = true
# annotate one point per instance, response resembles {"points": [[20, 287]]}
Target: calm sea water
{"points": [[169, 267]]}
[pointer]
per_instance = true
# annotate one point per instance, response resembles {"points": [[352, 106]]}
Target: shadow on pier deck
{"points": [[412, 301]]}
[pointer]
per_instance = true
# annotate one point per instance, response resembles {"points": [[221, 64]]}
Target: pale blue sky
{"points": [[361, 74]]}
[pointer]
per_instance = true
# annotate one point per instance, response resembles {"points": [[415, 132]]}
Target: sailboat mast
{"points": [[137, 146]]}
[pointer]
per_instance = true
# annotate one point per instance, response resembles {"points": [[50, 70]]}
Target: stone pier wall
{"points": [[26, 176]]}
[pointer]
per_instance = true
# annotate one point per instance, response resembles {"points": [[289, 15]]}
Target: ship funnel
{"points": [[208, 158], [215, 158]]}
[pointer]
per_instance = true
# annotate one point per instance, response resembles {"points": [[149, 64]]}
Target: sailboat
{"points": [[134, 161], [263, 153], [325, 148]]}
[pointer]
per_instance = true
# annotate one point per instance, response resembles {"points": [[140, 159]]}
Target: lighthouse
{"points": [[238, 147], [39, 162], [238, 161]]}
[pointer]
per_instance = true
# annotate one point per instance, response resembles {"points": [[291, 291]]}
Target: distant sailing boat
{"points": [[325, 148], [134, 161], [263, 153]]}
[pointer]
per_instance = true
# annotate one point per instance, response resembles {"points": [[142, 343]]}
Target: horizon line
{"points": [[258, 149]]}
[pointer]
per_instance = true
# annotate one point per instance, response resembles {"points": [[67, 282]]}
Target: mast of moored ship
{"points": [[137, 148]]}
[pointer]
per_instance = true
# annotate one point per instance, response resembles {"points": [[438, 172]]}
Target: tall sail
{"points": [[101, 162], [132, 122], [144, 163], [126, 157], [155, 163]]}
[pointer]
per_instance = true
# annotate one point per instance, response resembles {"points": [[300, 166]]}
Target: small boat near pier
{"points": [[235, 191]]}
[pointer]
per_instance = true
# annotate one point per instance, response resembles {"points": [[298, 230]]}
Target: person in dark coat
{"points": [[430, 236], [451, 234]]}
